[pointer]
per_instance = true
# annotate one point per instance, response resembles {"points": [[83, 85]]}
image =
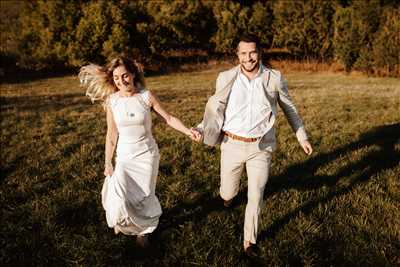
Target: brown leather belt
{"points": [[240, 138]]}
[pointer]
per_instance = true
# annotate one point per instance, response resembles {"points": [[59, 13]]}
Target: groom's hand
{"points": [[306, 147]]}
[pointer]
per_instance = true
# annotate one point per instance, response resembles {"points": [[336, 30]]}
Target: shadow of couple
{"points": [[302, 176]]}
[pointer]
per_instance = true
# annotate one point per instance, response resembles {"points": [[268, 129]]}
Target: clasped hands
{"points": [[195, 135]]}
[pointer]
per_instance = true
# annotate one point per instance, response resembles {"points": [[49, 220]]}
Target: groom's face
{"points": [[248, 55]]}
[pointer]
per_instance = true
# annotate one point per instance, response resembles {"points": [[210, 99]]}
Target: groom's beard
{"points": [[252, 68]]}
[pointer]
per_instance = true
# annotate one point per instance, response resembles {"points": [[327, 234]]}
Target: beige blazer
{"points": [[276, 92]]}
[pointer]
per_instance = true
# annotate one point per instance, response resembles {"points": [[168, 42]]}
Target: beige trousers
{"points": [[235, 155]]}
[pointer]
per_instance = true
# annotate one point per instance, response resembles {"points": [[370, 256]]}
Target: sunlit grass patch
{"points": [[338, 207]]}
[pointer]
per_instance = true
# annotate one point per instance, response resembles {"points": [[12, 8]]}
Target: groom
{"points": [[240, 116]]}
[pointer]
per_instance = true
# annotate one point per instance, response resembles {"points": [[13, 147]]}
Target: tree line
{"points": [[44, 34]]}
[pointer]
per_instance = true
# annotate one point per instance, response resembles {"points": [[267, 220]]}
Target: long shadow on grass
{"points": [[385, 137]]}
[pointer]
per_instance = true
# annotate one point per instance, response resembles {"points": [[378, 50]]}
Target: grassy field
{"points": [[339, 207]]}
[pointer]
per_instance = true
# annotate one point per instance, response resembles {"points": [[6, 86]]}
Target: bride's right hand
{"points": [[195, 135], [108, 169]]}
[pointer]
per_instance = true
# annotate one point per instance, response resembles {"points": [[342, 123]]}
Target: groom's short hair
{"points": [[249, 38]]}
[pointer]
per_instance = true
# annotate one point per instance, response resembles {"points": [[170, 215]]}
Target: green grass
{"points": [[339, 207]]}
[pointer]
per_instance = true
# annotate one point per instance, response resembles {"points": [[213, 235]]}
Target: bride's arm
{"points": [[111, 142], [171, 120]]}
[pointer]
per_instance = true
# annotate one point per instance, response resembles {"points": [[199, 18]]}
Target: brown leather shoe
{"points": [[228, 203], [252, 251], [142, 241]]}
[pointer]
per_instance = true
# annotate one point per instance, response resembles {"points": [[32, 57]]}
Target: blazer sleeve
{"points": [[218, 88], [289, 109]]}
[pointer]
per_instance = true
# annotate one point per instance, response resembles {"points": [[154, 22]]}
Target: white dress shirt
{"points": [[247, 114]]}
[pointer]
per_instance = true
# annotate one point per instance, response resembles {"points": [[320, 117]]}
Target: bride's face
{"points": [[123, 79]]}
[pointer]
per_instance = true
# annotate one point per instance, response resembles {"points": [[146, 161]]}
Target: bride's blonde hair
{"points": [[99, 80]]}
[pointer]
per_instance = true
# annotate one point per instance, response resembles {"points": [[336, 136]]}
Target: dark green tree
{"points": [[260, 22], [48, 28], [10, 29], [367, 16], [346, 38], [386, 44], [304, 27], [101, 33], [177, 25], [232, 20], [360, 30]]}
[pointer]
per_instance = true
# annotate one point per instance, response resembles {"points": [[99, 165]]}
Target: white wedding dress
{"points": [[128, 196]]}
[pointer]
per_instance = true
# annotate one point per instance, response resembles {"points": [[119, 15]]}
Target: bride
{"points": [[128, 193]]}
